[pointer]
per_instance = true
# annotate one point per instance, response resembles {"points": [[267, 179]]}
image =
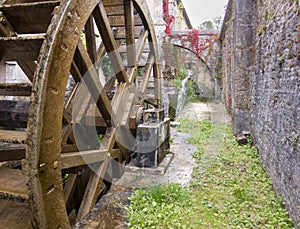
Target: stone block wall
{"points": [[237, 51], [275, 103], [261, 80]]}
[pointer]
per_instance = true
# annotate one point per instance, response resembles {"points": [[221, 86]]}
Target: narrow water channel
{"points": [[181, 99]]}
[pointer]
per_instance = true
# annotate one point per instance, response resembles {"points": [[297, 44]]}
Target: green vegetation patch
{"points": [[162, 206], [234, 191]]}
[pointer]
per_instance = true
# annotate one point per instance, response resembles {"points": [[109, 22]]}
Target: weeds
{"points": [[233, 192]]}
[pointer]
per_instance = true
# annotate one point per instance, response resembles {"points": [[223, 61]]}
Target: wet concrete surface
{"points": [[176, 167]]}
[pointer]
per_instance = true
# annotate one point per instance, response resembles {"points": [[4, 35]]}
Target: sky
{"points": [[203, 10]]}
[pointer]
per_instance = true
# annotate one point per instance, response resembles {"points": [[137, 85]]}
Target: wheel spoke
{"points": [[96, 178], [90, 39], [109, 42], [140, 47], [69, 187], [146, 74], [93, 84], [48, 50], [129, 28]]}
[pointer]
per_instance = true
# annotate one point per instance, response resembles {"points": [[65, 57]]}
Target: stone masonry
{"points": [[261, 85]]}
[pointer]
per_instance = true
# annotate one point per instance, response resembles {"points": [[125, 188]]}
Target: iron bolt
{"points": [[2, 20], [70, 15], [55, 165], [12, 34]]}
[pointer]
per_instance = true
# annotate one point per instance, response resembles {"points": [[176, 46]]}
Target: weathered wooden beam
{"points": [[70, 160], [90, 39], [119, 21], [112, 2], [129, 27], [15, 89], [114, 10], [74, 159]]}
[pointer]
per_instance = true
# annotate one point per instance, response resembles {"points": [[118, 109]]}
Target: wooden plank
{"points": [[15, 215], [119, 21], [15, 89], [109, 42], [114, 10], [13, 183], [112, 2], [74, 159], [32, 17], [20, 47], [12, 152], [14, 114], [13, 136]]}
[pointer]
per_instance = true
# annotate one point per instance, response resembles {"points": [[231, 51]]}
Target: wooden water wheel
{"points": [[59, 45]]}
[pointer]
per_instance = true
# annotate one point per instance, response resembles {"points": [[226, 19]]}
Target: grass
{"points": [[159, 207], [233, 191]]}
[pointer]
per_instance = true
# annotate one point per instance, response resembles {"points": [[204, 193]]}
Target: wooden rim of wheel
{"points": [[60, 50]]}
